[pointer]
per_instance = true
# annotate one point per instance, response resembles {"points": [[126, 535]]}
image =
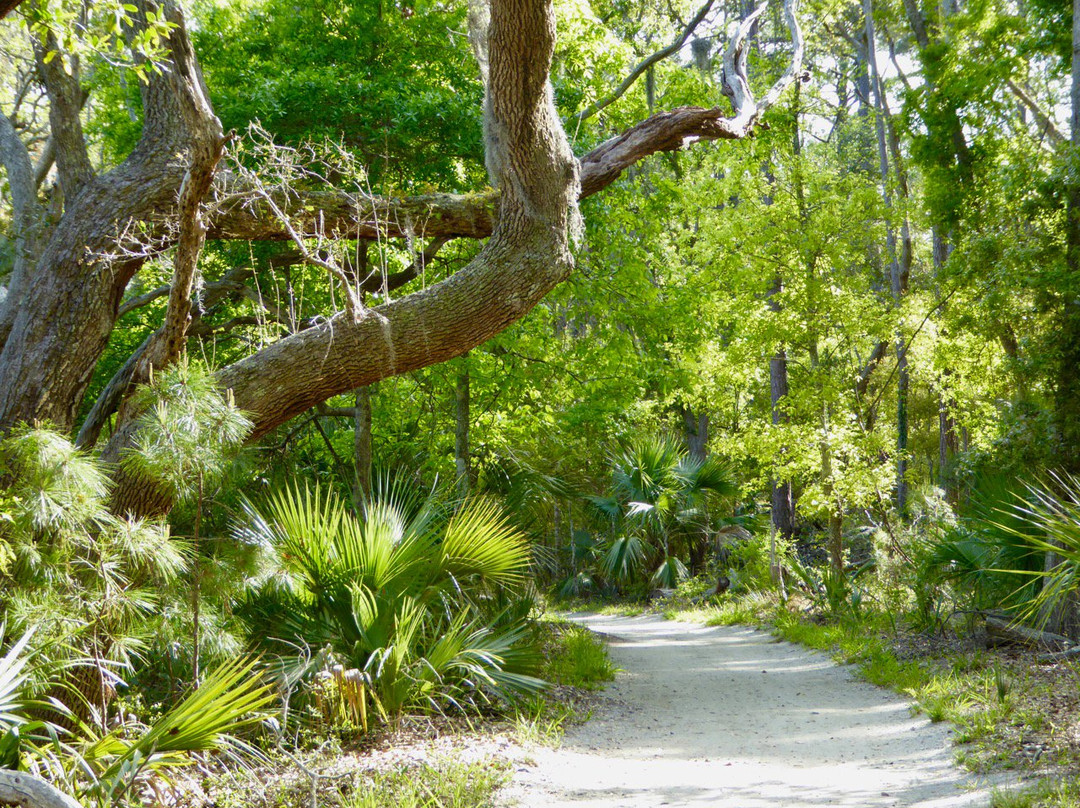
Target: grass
{"points": [[576, 657], [542, 721], [1048, 793], [724, 612], [442, 784]]}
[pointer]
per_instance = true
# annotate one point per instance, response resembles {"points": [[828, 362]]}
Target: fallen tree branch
{"points": [[29, 791]]}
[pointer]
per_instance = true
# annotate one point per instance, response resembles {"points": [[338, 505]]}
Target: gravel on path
{"points": [[734, 718]]}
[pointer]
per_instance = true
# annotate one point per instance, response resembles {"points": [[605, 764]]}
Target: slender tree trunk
{"points": [[783, 502], [362, 454], [899, 266], [695, 431], [1067, 396], [835, 540], [462, 416], [1065, 618]]}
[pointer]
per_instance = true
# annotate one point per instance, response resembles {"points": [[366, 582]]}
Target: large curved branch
{"points": [[525, 258], [239, 216]]}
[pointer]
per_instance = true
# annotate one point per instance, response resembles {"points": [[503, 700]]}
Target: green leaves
{"points": [[396, 594], [13, 681], [188, 430], [229, 699]]}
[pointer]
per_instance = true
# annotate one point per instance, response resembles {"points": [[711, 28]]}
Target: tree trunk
{"points": [[362, 454], [29, 791], [696, 432], [62, 320], [1067, 395], [783, 501], [462, 463], [899, 258]]}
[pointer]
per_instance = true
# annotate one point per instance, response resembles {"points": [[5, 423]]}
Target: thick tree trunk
{"points": [[64, 317]]}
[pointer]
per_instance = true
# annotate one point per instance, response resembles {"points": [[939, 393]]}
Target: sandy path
{"points": [[730, 717]]}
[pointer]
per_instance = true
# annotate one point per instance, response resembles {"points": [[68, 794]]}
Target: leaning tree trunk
{"points": [[61, 323]]}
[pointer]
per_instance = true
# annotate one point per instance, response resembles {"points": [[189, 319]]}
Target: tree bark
{"points": [[783, 500], [696, 431], [899, 257], [1067, 394], [65, 316], [28, 791], [462, 461], [362, 450]]}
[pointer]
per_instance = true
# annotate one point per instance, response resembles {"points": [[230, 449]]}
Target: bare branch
{"points": [[736, 84], [1047, 127], [646, 63]]}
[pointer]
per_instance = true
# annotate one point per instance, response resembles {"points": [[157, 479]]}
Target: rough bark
{"points": [[29, 791], [167, 344], [527, 255], [240, 216], [7, 6], [362, 451], [26, 219], [462, 401], [65, 317], [696, 431]]}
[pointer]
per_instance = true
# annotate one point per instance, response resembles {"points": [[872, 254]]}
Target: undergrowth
{"points": [[443, 784]]}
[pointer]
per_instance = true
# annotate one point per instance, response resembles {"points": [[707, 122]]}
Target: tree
{"points": [[58, 315]]}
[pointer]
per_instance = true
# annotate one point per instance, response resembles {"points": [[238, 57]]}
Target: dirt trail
{"points": [[732, 718]]}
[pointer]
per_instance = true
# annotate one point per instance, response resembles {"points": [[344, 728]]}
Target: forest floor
{"points": [[731, 716]]}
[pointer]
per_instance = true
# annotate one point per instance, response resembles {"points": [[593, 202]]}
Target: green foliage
{"points": [[419, 606], [578, 658], [78, 573], [228, 700], [1048, 522], [442, 784], [188, 430]]}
